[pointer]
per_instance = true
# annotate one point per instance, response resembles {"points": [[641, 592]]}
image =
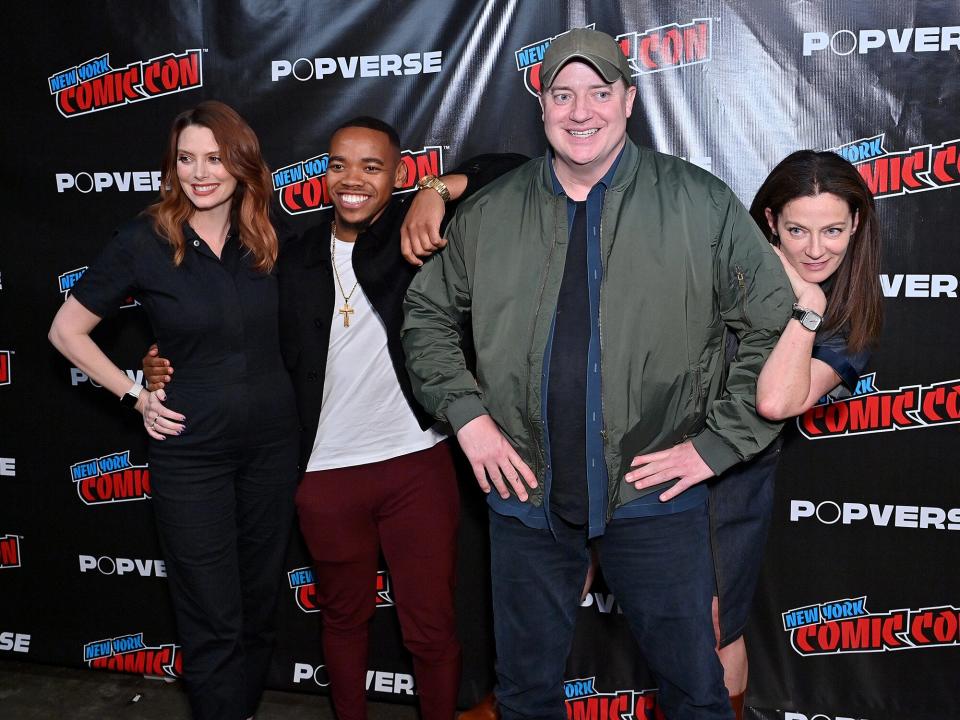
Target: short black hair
{"points": [[372, 123]]}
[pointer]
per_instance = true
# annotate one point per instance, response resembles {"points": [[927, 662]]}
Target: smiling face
{"points": [[585, 120], [814, 234], [203, 177], [363, 170]]}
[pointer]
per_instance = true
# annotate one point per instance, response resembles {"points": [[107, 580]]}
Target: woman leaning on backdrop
{"points": [[223, 442], [819, 215]]}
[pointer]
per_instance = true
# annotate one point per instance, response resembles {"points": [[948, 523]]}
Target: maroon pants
{"points": [[409, 507]]}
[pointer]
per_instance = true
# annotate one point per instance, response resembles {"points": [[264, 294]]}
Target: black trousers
{"points": [[224, 519]]}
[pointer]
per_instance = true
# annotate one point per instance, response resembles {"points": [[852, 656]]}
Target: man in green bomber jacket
{"points": [[597, 283]]}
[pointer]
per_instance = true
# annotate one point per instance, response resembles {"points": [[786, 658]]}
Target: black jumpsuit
{"points": [[223, 490]]}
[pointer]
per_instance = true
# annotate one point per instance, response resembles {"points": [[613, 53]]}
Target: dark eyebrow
{"points": [[375, 160], [590, 87]]}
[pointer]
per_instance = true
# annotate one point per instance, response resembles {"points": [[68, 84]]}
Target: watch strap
{"points": [[130, 397], [435, 183]]}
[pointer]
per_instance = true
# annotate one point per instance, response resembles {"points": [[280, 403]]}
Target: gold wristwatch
{"points": [[432, 181]]}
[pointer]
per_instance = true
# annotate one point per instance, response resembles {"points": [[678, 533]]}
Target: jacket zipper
{"points": [[741, 282], [541, 456], [611, 496]]}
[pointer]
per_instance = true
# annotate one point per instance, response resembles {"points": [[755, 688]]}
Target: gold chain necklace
{"points": [[346, 310]]}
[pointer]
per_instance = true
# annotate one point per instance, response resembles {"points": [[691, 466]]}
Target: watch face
{"points": [[811, 321]]}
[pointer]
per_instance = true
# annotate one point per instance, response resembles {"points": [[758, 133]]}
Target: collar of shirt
{"points": [[387, 226], [193, 239], [606, 180]]}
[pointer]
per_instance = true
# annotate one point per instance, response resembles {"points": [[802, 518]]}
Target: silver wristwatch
{"points": [[810, 319]]}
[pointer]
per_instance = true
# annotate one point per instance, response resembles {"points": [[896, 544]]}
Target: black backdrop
{"points": [[857, 616]]}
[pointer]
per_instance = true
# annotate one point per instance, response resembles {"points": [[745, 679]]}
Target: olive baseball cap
{"points": [[597, 49]]}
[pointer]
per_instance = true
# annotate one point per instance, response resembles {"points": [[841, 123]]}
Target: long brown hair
{"points": [[240, 154], [854, 301]]}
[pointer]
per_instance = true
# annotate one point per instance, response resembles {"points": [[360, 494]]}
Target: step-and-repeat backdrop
{"points": [[857, 615]]}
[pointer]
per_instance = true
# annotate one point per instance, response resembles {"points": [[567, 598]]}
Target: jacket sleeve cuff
{"points": [[463, 410], [714, 451]]}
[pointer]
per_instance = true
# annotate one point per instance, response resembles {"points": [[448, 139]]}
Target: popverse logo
{"points": [[919, 286], [844, 42], [100, 181], [14, 642], [122, 566], [303, 69], [920, 517]]}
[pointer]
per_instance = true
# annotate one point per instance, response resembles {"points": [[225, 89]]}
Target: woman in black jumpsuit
{"points": [[223, 448]]}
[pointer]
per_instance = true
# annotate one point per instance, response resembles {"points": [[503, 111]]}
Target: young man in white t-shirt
{"points": [[377, 474]]}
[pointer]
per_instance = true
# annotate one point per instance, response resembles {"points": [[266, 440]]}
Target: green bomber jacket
{"points": [[682, 260]]}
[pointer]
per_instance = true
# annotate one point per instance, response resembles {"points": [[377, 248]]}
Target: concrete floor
{"points": [[44, 692]]}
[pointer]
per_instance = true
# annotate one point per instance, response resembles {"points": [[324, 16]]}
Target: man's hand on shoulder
{"points": [[420, 233], [681, 462], [491, 456], [157, 370]]}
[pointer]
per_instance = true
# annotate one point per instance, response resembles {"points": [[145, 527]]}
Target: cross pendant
{"points": [[346, 311]]}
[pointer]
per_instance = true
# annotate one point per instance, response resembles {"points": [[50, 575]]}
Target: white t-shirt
{"points": [[365, 417]]}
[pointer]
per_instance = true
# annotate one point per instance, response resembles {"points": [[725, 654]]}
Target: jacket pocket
{"points": [[698, 399], [741, 290]]}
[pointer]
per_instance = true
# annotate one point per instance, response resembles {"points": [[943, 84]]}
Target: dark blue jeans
{"points": [[660, 571]]}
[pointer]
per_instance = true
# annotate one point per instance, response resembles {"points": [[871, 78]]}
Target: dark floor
{"points": [[45, 692]]}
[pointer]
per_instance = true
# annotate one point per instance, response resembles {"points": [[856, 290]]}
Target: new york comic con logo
{"points": [[129, 653], [302, 186], [891, 173], [95, 85], [111, 478], [9, 551], [67, 280], [304, 587], [585, 702], [870, 410], [846, 626], [666, 47], [5, 372]]}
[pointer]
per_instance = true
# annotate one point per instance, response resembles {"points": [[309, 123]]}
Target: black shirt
{"points": [[567, 387], [216, 319]]}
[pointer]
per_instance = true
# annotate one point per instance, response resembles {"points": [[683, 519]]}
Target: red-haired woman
{"points": [[818, 213], [223, 448]]}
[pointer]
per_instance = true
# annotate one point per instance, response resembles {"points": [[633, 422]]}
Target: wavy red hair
{"points": [[240, 154]]}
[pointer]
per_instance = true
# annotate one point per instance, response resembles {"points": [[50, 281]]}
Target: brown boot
{"points": [[486, 709], [736, 702]]}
